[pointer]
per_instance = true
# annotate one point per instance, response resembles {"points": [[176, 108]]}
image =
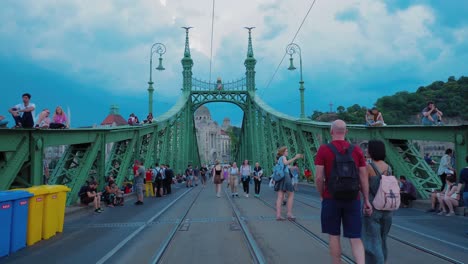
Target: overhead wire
{"points": [[294, 38], [212, 33]]}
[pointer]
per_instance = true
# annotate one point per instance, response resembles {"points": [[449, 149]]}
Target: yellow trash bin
{"points": [[52, 210], [61, 191], [35, 214]]}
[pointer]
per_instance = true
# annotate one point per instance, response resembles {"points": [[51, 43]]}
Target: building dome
{"points": [[202, 113]]}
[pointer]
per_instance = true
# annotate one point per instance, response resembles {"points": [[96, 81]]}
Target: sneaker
{"points": [[247, 195], [450, 214], [98, 211], [237, 195], [441, 213]]}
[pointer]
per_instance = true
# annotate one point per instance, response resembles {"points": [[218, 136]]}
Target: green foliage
{"points": [[450, 97]]}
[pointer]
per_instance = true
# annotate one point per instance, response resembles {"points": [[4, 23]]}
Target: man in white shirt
{"points": [[24, 113], [445, 167]]}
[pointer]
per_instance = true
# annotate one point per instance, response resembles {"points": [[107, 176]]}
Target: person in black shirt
{"points": [[91, 196], [168, 180]]}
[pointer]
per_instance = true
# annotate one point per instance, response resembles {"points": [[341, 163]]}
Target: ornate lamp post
{"points": [[291, 49], [160, 49]]}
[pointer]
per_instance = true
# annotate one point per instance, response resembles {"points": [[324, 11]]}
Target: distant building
{"points": [[214, 142], [114, 118]]}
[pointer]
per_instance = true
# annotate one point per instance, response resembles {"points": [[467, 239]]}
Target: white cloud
{"points": [[74, 37]]}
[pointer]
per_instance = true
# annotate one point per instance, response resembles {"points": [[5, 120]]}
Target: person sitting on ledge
{"points": [[374, 117], [431, 115], [91, 196], [449, 199]]}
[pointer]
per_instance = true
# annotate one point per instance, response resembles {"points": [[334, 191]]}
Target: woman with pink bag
{"points": [[376, 224]]}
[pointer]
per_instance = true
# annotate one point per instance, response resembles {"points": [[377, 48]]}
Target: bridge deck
{"points": [[210, 233]]}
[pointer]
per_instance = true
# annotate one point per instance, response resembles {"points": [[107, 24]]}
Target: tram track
{"points": [[254, 249], [399, 240], [314, 236], [147, 223], [158, 257]]}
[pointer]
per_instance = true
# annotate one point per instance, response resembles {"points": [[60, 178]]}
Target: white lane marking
{"points": [[136, 232]]}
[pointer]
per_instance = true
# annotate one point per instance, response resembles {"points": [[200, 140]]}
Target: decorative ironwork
{"points": [[219, 86]]}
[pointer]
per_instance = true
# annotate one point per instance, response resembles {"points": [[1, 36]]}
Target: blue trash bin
{"points": [[6, 212], [14, 218], [19, 220]]}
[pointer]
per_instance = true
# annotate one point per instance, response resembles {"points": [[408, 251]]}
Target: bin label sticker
{"points": [[39, 199], [23, 203], [54, 196], [6, 206]]}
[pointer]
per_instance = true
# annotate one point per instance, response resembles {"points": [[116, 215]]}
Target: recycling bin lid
{"points": [[13, 195], [57, 188], [36, 190]]}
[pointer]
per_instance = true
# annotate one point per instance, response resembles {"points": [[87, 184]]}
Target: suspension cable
{"points": [[212, 31], [294, 38]]}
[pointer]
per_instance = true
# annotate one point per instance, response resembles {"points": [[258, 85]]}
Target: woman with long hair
{"points": [[60, 119], [285, 185], [234, 179], [217, 180], [245, 173], [376, 225], [43, 121], [450, 197]]}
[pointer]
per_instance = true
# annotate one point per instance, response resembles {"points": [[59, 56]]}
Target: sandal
{"points": [[280, 218]]}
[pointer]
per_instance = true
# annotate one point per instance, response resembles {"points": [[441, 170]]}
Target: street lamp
{"points": [[291, 49], [160, 49]]}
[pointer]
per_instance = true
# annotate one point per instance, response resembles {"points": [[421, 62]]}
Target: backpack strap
{"points": [[336, 152], [379, 174]]}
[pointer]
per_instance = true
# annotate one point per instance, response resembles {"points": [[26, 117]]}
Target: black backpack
{"points": [[158, 175], [343, 183]]}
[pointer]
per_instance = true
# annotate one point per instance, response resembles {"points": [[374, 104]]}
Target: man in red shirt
{"points": [[335, 212]]}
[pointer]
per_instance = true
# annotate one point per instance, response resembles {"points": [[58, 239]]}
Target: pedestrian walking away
{"points": [[341, 202], [376, 224], [257, 174], [217, 179], [233, 176], [246, 171], [284, 186], [169, 176]]}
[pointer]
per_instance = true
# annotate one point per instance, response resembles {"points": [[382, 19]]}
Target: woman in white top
{"points": [[449, 198], [245, 171], [234, 179]]}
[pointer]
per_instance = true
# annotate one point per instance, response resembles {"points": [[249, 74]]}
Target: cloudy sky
{"points": [[87, 54]]}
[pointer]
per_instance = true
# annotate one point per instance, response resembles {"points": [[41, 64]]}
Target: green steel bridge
{"points": [[172, 139]]}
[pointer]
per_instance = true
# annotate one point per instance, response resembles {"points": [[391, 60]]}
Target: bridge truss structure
{"points": [[172, 140]]}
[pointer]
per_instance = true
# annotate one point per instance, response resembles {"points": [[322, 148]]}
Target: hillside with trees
{"points": [[451, 97]]}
